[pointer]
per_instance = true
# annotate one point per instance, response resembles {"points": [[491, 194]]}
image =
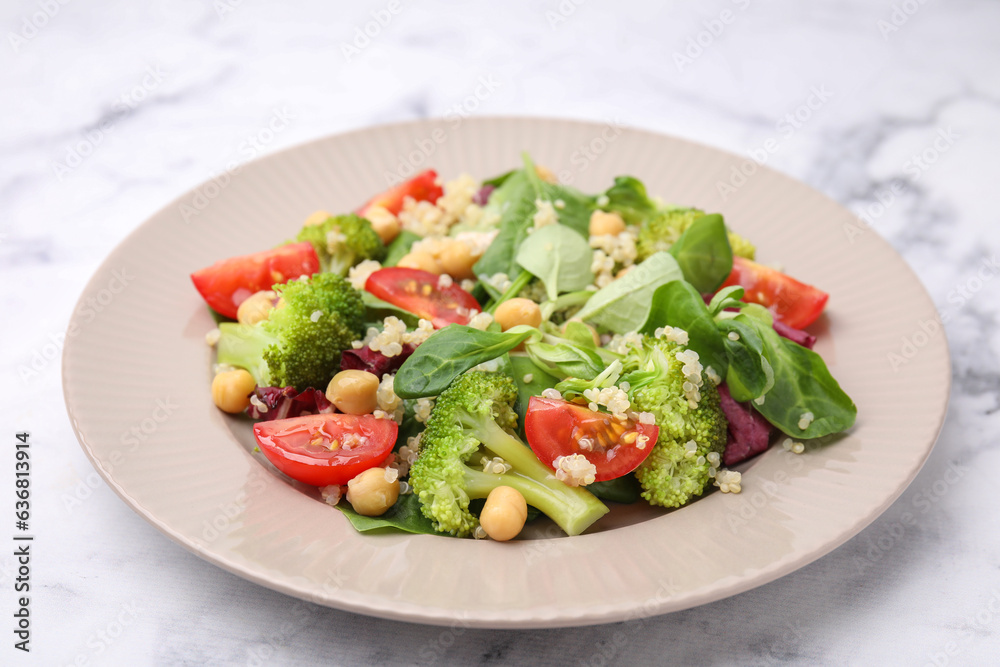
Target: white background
{"points": [[110, 110]]}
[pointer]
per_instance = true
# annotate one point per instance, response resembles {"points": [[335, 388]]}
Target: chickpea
{"points": [[602, 222], [518, 311], [545, 174], [456, 259], [231, 390], [256, 307], [504, 513], [420, 260], [353, 392], [317, 218], [371, 494], [385, 224]]}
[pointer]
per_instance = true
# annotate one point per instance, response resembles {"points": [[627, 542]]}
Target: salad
{"points": [[462, 359]]}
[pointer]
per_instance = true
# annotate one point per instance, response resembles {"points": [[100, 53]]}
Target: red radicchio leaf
{"points": [[803, 338], [483, 195], [286, 402], [749, 432], [367, 359]]}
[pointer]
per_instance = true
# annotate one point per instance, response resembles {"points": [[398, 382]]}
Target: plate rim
{"points": [[440, 616]]}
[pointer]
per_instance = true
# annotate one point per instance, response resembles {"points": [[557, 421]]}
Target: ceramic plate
{"points": [[136, 374]]}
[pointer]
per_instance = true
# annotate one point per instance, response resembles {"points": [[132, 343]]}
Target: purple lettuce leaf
{"points": [[749, 432], [803, 338], [367, 359], [483, 195], [286, 402]]}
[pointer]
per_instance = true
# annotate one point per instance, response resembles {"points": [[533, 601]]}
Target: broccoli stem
{"points": [[243, 346], [573, 509]]}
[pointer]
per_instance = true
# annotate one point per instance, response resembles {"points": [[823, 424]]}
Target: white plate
{"points": [[136, 374]]}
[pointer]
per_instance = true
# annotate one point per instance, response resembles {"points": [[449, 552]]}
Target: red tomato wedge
{"points": [[556, 428], [227, 284], [793, 303], [417, 292], [422, 187], [326, 449]]}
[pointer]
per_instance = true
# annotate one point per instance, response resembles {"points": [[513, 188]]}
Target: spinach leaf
{"points": [[540, 381], [679, 305], [703, 253], [572, 206], [623, 489], [579, 334], [515, 201], [497, 181], [559, 257], [727, 297], [450, 352], [399, 247], [623, 305], [749, 375], [565, 360], [802, 383], [409, 426], [377, 310], [628, 198], [405, 515]]}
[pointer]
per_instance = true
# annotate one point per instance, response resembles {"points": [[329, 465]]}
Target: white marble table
{"points": [[110, 110]]}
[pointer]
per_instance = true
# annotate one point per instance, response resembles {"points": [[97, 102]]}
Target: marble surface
{"points": [[110, 110]]}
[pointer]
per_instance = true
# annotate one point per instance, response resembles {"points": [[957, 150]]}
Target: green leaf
{"points": [[540, 381], [497, 181], [378, 310], [399, 247], [579, 334], [679, 305], [623, 489], [405, 515], [565, 302], [514, 200], [749, 374], [628, 198], [564, 360], [623, 305], [559, 257], [727, 297], [450, 352], [703, 253], [802, 383]]}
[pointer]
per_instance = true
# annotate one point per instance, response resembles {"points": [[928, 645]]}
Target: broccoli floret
{"points": [[472, 418], [685, 405], [664, 228], [300, 342], [343, 241]]}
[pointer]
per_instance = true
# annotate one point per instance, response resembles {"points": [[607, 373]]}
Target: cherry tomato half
{"points": [[422, 187], [417, 292], [793, 303], [228, 283], [557, 428], [326, 449]]}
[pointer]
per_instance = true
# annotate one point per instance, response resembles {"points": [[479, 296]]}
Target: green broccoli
{"points": [[472, 418], [343, 241], [661, 230], [300, 342], [665, 378]]}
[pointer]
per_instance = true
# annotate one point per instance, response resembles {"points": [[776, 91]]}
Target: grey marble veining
{"points": [[110, 110]]}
